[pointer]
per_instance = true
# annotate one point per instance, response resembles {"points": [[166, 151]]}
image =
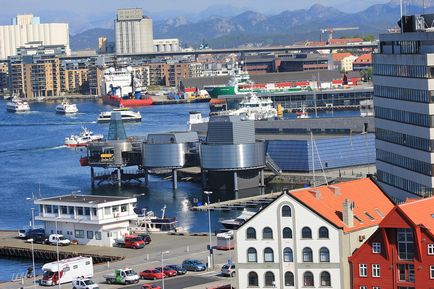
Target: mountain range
{"points": [[258, 29]]}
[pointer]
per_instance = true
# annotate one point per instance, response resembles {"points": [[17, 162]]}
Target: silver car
{"points": [[228, 270]]}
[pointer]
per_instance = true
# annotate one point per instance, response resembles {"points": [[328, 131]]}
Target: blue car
{"points": [[179, 270], [193, 265]]}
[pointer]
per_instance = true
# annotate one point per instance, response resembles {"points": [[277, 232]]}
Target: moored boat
{"points": [[83, 139], [238, 221], [147, 222]]}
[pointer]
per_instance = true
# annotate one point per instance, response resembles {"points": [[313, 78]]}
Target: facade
{"points": [[403, 89], [133, 32], [91, 220], [27, 28], [303, 62], [400, 254], [298, 242], [338, 58], [363, 62]]}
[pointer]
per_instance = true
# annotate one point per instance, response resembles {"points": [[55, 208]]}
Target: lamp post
{"points": [[57, 253], [162, 268], [211, 259], [33, 263]]}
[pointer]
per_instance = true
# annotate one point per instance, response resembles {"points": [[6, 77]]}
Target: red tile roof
{"points": [[420, 212], [363, 59], [340, 56], [337, 41], [370, 203]]}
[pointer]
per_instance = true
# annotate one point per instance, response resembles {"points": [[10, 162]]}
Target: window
{"points": [[268, 255], [306, 233], [325, 279], [55, 209], [87, 211], [406, 272], [48, 209], [107, 210], [287, 233], [363, 287], [251, 233], [375, 270], [89, 235], [431, 272], [405, 244], [253, 279], [269, 279], [71, 210], [252, 256], [64, 210], [287, 255], [289, 279], [308, 279], [324, 255], [115, 209], [376, 247], [323, 233], [80, 211], [363, 270], [267, 233], [124, 208], [376, 287], [97, 235], [286, 211], [430, 249], [79, 234], [94, 211], [307, 255]]}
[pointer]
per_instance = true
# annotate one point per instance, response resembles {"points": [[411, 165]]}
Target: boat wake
{"points": [[47, 123], [37, 149]]}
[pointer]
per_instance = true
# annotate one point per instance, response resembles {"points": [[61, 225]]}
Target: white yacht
{"points": [[253, 107], [127, 115], [66, 107], [17, 105], [83, 139]]}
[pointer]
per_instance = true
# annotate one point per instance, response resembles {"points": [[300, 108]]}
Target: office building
{"points": [[403, 96], [27, 28], [133, 32]]}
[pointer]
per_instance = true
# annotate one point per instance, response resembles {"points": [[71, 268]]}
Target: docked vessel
{"points": [[83, 139], [238, 221], [127, 115], [17, 105], [302, 113], [65, 107], [253, 107], [147, 222], [124, 87]]}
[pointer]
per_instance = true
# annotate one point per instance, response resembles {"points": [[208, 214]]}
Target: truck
{"points": [[66, 270], [122, 276], [130, 241], [54, 239]]}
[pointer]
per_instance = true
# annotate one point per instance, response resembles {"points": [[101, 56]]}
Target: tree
{"points": [[369, 38]]}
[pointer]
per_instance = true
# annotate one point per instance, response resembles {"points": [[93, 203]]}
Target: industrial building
{"points": [[166, 45], [133, 32], [27, 28], [403, 92]]}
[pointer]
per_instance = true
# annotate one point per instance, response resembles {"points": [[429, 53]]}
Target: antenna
{"points": [[400, 9]]}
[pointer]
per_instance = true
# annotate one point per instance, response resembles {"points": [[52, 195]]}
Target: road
{"points": [[186, 281]]}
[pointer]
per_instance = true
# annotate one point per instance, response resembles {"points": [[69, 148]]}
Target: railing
{"points": [[271, 164]]}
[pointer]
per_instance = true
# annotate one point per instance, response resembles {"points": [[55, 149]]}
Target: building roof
{"points": [[421, 212], [370, 203], [363, 59], [338, 41], [84, 199], [340, 56]]}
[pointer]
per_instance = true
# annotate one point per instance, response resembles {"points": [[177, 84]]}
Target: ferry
{"points": [[123, 87], [233, 224], [66, 108], [17, 105], [83, 139], [127, 115]]}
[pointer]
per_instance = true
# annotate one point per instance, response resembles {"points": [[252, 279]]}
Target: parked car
{"points": [[227, 286], [84, 283], [38, 238], [146, 238], [150, 286], [152, 274], [54, 239], [193, 265], [179, 269], [228, 270], [169, 272]]}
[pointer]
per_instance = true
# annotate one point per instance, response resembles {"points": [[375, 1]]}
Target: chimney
{"points": [[347, 213], [316, 194], [336, 190]]}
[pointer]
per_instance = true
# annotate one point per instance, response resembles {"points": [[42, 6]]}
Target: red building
{"points": [[400, 254]]}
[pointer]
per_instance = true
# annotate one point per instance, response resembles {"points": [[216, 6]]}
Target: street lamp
{"points": [[211, 259], [33, 263], [57, 252], [162, 267]]}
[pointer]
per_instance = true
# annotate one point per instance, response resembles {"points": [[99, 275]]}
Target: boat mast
{"points": [[164, 211], [313, 159]]}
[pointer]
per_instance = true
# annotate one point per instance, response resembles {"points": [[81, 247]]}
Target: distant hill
{"points": [[254, 28]]}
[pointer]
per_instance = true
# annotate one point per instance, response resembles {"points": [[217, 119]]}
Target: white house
{"points": [[92, 220], [303, 239]]}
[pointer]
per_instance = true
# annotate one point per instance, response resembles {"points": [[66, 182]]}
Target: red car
{"points": [[168, 272], [151, 274], [150, 286]]}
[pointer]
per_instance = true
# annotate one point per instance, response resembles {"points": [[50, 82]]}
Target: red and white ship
{"points": [[124, 87], [83, 139]]}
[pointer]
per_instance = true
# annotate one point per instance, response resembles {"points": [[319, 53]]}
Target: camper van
{"points": [[70, 269]]}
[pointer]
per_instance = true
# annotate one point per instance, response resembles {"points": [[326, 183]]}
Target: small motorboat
{"points": [[83, 139], [65, 107], [127, 115], [17, 105], [238, 221]]}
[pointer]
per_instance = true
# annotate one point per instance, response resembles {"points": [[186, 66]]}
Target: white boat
{"points": [[238, 221], [302, 113], [66, 107], [127, 115], [147, 222], [253, 107], [17, 105], [83, 139]]}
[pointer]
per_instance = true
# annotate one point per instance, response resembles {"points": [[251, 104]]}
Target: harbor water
{"points": [[36, 164]]}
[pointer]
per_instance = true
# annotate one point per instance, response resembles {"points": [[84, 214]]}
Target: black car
{"points": [[146, 238], [179, 270], [38, 238]]}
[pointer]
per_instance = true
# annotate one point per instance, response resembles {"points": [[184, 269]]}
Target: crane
{"points": [[331, 30]]}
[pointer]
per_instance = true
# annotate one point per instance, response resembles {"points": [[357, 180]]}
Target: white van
{"points": [[70, 269]]}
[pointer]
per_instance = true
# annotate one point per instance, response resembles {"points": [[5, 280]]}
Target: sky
{"points": [[83, 14]]}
